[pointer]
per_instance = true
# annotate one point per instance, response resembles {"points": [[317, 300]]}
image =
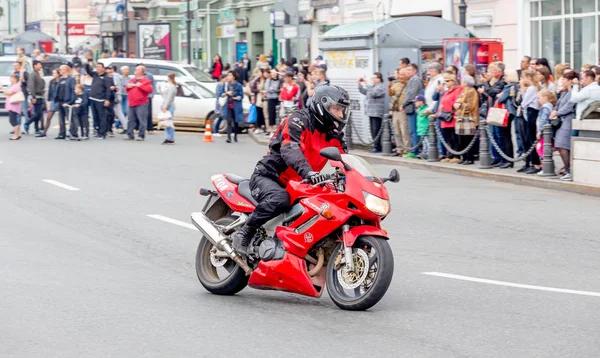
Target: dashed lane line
{"points": [[511, 284], [60, 185], [172, 221]]}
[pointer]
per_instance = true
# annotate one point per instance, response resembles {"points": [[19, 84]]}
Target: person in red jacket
{"points": [[217, 68], [294, 155], [137, 92], [289, 95]]}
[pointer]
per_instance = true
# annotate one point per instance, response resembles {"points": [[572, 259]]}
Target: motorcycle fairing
{"points": [[228, 191]]}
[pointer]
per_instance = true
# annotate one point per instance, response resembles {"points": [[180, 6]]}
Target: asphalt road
{"points": [[86, 273]]}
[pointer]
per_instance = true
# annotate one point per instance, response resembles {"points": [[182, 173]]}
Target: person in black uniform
{"points": [[101, 97]]}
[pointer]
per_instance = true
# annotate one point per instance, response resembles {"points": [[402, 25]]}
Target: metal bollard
{"points": [[349, 133], [547, 162], [433, 155], [485, 159], [386, 136]]}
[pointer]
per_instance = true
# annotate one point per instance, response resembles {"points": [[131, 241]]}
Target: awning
{"points": [[32, 37]]}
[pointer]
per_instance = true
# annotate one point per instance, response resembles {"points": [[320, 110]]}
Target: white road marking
{"points": [[60, 185], [172, 221], [510, 284]]}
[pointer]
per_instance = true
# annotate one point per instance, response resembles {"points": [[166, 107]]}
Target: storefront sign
{"points": [[154, 41], [225, 15], [33, 26], [225, 31], [195, 24], [241, 48], [272, 18], [79, 29], [240, 23], [317, 4]]}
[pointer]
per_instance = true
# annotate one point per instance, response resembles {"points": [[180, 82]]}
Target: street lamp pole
{"points": [[126, 25], [462, 10], [67, 27], [189, 33]]}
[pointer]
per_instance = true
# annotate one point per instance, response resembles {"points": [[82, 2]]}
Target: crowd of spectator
{"points": [[82, 88], [276, 90], [533, 96]]}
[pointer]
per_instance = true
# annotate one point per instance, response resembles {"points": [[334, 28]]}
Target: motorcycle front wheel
{"points": [[219, 275], [364, 286]]}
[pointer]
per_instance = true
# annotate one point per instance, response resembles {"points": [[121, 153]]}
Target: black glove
{"points": [[315, 178]]}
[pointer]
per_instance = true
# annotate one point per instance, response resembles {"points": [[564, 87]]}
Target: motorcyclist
{"points": [[294, 155]]}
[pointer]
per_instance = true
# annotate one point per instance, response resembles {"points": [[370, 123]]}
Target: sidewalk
{"points": [[501, 175]]}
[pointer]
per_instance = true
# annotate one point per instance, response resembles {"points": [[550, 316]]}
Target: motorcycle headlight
{"points": [[376, 205]]}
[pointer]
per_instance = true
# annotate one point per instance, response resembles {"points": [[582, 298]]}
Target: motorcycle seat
{"points": [[244, 191], [235, 179]]}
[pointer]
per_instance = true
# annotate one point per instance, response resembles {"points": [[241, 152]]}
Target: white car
{"points": [[163, 68], [194, 104]]}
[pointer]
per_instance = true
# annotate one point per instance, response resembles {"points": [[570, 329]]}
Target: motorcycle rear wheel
{"points": [[364, 287], [208, 269]]}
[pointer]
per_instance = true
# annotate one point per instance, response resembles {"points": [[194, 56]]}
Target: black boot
{"points": [[241, 239]]}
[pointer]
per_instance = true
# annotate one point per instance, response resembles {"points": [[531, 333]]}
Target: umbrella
{"points": [[32, 37]]}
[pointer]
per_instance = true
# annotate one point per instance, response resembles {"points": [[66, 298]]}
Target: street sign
{"points": [[193, 6], [195, 24]]}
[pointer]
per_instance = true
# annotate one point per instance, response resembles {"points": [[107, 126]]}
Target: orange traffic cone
{"points": [[207, 132]]}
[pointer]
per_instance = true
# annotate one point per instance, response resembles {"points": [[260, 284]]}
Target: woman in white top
{"points": [[168, 93]]}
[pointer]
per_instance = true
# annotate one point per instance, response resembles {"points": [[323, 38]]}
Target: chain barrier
{"points": [[358, 135], [506, 157], [449, 148]]}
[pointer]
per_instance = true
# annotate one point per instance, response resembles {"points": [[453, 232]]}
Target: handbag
{"points": [[410, 108], [252, 114], [222, 101], [497, 116], [446, 116], [465, 125], [17, 98], [165, 119]]}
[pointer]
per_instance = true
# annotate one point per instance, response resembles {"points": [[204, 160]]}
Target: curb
{"points": [[534, 181], [489, 174]]}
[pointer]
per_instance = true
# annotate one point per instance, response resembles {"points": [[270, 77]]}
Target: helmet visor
{"points": [[339, 112]]}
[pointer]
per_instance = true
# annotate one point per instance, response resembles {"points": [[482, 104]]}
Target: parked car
{"points": [[163, 68], [6, 68], [194, 104]]}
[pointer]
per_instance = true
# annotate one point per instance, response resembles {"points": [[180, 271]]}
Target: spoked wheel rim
{"points": [[354, 285]]}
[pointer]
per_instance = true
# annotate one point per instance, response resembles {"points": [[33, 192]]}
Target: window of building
{"points": [[565, 31]]}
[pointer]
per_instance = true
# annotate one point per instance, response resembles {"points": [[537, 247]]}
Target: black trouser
{"points": [[100, 117], [150, 125], [232, 124], [74, 124], [63, 112], [463, 142], [110, 117], [84, 122], [375, 128], [452, 139], [272, 111], [506, 135], [13, 118], [260, 117], [272, 199], [38, 113], [528, 131]]}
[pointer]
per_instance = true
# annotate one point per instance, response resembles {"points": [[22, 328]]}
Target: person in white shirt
{"points": [[585, 93]]}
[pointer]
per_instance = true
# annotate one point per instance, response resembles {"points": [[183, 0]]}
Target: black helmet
{"points": [[324, 97]]}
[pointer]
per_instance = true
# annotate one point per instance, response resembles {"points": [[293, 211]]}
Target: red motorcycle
{"points": [[331, 236]]}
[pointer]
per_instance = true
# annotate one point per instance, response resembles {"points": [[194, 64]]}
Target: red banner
{"points": [[79, 29]]}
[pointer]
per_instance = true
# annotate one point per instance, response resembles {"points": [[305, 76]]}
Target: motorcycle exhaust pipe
{"points": [[208, 229]]}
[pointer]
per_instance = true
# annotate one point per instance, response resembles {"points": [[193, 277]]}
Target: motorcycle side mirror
{"points": [[331, 153], [394, 177]]}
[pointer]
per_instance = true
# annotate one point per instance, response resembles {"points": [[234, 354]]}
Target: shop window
{"points": [[552, 41], [535, 8], [567, 6], [583, 6], [551, 7]]}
